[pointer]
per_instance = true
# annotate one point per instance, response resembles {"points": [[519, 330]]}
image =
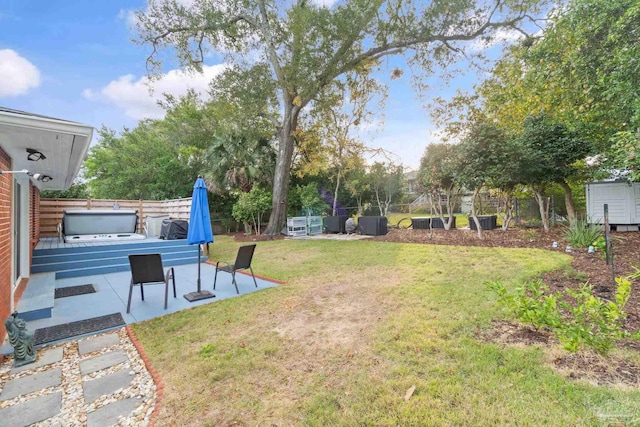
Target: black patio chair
{"points": [[243, 262], [147, 269]]}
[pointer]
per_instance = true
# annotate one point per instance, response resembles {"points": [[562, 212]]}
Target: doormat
{"points": [[72, 291], [81, 327]]}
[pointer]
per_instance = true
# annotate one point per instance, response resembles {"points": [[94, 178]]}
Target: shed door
{"points": [[636, 202]]}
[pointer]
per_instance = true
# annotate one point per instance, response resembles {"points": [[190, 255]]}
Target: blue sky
{"points": [[75, 60]]}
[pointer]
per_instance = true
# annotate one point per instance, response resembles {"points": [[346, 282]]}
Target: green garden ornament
{"points": [[21, 339]]}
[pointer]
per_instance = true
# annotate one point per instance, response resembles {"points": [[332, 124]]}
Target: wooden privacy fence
{"points": [[51, 210]]}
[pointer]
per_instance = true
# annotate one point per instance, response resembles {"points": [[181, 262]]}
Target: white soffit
{"points": [[63, 143]]}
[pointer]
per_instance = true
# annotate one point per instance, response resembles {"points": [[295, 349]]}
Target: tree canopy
{"points": [[307, 47]]}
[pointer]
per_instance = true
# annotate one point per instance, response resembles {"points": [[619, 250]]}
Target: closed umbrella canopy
{"points": [[199, 220], [199, 230]]}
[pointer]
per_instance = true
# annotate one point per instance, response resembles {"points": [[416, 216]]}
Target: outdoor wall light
{"points": [[36, 176], [35, 155], [41, 177]]}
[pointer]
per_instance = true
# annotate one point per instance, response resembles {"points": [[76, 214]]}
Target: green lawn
{"points": [[357, 324]]}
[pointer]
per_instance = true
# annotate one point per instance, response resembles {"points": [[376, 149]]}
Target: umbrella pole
{"points": [[198, 268]]}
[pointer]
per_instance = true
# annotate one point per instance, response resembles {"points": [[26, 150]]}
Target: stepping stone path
{"points": [[98, 381]]}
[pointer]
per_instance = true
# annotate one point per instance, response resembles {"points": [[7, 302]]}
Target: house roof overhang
{"points": [[64, 144]]}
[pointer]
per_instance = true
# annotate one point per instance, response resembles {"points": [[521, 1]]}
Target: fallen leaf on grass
{"points": [[409, 393]]}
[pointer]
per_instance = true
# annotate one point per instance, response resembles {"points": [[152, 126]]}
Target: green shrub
{"points": [[582, 234], [531, 303], [584, 320], [593, 321]]}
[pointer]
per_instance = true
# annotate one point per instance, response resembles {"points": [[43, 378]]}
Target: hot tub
{"points": [[82, 225]]}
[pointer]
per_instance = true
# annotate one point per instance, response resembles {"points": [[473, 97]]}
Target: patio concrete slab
{"points": [[102, 361], [113, 291], [32, 411], [108, 384], [29, 384], [45, 357], [108, 415], [100, 342]]}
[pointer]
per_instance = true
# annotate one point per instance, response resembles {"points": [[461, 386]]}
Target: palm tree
{"points": [[238, 161]]}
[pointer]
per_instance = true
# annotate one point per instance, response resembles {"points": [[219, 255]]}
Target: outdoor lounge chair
{"points": [[243, 262], [146, 269]]}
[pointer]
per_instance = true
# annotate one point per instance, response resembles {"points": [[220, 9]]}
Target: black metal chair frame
{"points": [[148, 269], [243, 262]]}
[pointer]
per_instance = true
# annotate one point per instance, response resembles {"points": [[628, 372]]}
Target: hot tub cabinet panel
{"points": [[99, 221]]}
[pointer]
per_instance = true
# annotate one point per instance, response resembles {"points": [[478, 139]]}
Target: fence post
{"points": [[140, 223]]}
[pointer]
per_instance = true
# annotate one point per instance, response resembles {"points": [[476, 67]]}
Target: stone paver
{"points": [[90, 345], [108, 384], [29, 384], [108, 414], [31, 411], [45, 357], [102, 361]]}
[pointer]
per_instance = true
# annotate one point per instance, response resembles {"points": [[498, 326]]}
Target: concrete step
{"points": [[108, 259], [38, 297], [109, 253], [123, 266]]}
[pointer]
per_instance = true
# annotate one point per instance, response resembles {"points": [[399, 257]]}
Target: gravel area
{"points": [[74, 410]]}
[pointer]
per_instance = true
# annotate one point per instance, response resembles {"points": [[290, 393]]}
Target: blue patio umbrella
{"points": [[200, 232]]}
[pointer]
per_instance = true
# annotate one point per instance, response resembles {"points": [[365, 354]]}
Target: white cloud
{"points": [[88, 94], [128, 16], [134, 96], [17, 74]]}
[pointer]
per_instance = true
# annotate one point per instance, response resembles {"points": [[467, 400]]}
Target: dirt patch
{"points": [[613, 370], [338, 315], [503, 331]]}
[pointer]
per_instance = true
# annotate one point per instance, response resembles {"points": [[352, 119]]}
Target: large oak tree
{"points": [[307, 47]]}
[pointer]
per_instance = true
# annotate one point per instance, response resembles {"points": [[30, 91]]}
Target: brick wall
{"points": [[6, 191]]}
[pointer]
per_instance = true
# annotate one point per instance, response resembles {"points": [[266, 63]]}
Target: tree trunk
{"points": [[282, 176], [543, 211], [335, 194], [508, 212], [438, 207], [473, 213], [568, 201], [379, 201], [449, 223]]}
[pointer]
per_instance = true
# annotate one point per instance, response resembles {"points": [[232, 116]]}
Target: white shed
{"points": [[623, 199]]}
